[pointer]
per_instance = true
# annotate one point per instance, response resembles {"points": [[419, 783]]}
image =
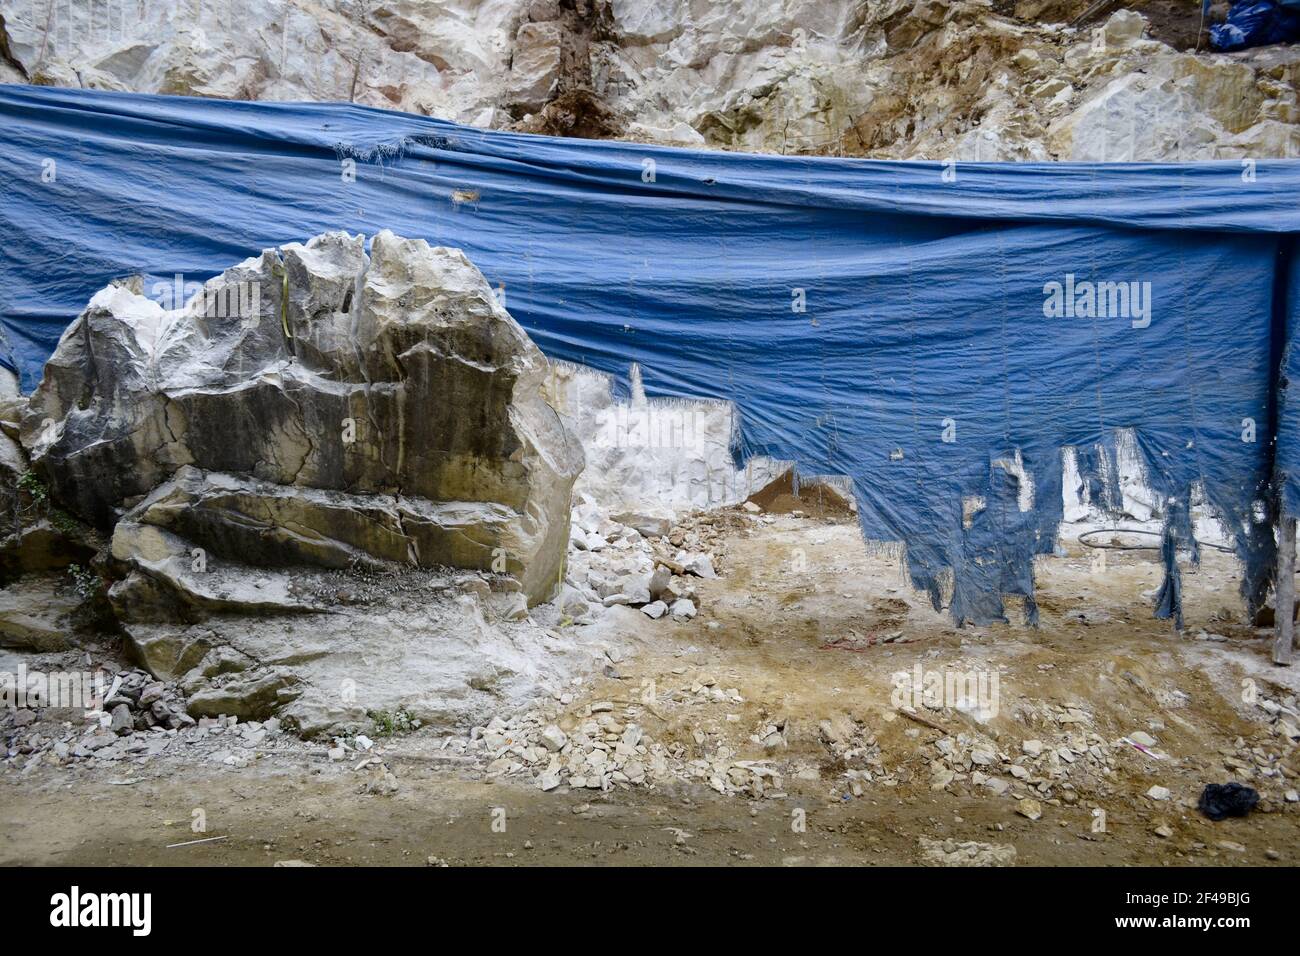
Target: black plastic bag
{"points": [[1219, 800]]}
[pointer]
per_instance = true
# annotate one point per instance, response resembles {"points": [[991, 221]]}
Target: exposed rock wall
{"points": [[330, 483], [349, 409], [932, 79], [648, 459], [325, 649]]}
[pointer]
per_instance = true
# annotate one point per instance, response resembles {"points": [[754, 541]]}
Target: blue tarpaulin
{"points": [[939, 332], [1252, 23]]}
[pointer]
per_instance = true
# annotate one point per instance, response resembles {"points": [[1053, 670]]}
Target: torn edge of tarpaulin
{"points": [[990, 555]]}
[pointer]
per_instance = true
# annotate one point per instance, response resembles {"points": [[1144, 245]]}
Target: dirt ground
{"points": [[809, 627]]}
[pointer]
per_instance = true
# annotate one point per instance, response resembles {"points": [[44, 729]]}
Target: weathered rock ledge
{"points": [[330, 484]]}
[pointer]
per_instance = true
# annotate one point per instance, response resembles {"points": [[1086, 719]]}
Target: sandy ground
{"points": [[794, 624]]}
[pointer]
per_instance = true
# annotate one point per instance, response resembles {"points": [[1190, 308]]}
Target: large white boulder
{"points": [[316, 406]]}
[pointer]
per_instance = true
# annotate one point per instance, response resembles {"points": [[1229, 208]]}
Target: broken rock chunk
{"points": [[682, 610], [655, 610]]}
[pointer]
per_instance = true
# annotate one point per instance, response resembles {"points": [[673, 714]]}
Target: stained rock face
{"points": [[315, 406], [896, 79], [323, 650], [330, 486]]}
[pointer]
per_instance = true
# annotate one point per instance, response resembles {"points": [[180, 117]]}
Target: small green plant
{"points": [[388, 723], [85, 581], [31, 483], [63, 521]]}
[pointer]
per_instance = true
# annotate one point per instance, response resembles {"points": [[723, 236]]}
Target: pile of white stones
{"points": [[121, 732], [636, 564], [136, 716], [1070, 759], [609, 748], [855, 748], [966, 853]]}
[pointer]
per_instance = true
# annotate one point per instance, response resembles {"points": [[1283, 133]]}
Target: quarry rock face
{"points": [[328, 650], [315, 406], [901, 79], [649, 458], [330, 485]]}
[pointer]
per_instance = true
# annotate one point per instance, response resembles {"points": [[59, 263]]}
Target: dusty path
{"points": [[792, 625], [301, 816]]}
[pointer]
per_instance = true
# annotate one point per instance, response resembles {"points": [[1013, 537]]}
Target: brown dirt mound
{"points": [[816, 500]]}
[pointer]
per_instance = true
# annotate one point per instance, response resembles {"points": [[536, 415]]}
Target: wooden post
{"points": [[1284, 591]]}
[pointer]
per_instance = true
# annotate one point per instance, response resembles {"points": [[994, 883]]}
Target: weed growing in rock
{"points": [[85, 582], [31, 483], [391, 723]]}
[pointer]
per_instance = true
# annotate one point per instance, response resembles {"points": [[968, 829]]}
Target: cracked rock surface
{"points": [[354, 410], [969, 80], [315, 419]]}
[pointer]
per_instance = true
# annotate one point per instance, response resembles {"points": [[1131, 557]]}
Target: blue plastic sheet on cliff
{"points": [[1252, 23], [938, 332]]}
